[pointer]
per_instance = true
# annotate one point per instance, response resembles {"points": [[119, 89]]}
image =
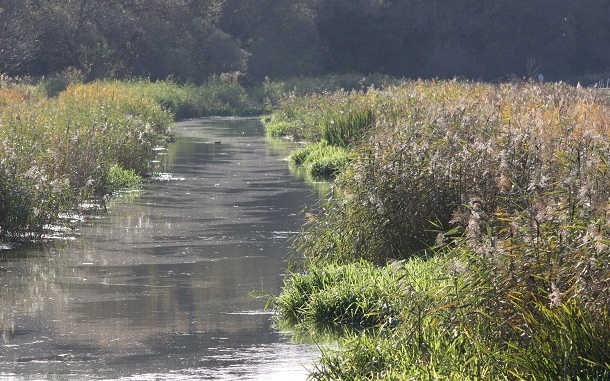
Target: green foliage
{"points": [[444, 318], [275, 128], [320, 160], [347, 128], [333, 297], [325, 112], [299, 156], [335, 122], [218, 96], [223, 95], [190, 41], [16, 207], [422, 321], [180, 100], [57, 83], [564, 342], [119, 178]]}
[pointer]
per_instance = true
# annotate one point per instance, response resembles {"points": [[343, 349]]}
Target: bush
{"points": [[57, 83]]}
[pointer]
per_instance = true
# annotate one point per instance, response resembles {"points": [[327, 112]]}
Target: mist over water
{"points": [[157, 288]]}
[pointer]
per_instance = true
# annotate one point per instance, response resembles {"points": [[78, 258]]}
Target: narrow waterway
{"points": [[157, 288]]}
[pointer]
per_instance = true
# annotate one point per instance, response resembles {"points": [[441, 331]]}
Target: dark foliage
{"points": [[190, 40]]}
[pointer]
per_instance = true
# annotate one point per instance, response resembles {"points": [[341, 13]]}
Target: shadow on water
{"points": [[157, 288]]}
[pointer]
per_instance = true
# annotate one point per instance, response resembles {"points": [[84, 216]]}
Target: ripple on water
{"points": [[274, 362]]}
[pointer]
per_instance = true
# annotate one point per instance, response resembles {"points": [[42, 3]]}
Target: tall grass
{"points": [[442, 152], [441, 318], [509, 183], [64, 141], [332, 123], [216, 97], [59, 151]]}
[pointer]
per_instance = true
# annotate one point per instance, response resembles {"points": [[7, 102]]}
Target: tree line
{"points": [[190, 40]]}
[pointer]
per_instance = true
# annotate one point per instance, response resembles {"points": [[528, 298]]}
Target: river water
{"points": [[157, 288]]}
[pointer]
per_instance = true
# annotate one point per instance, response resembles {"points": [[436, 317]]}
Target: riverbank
{"points": [[59, 152], [484, 210], [66, 142]]}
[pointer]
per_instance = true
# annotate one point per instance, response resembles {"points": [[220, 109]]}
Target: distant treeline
{"points": [[190, 40]]}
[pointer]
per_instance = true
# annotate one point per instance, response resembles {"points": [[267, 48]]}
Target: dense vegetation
{"points": [[58, 152], [485, 208], [192, 40], [64, 142]]}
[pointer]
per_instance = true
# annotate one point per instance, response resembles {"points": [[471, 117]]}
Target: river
{"points": [[157, 288]]}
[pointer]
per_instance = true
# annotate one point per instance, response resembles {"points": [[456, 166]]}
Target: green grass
{"points": [[332, 123], [358, 296], [320, 160], [347, 128], [88, 140], [119, 178], [437, 319]]}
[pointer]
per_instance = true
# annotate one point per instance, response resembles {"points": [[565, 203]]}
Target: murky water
{"points": [[157, 289]]}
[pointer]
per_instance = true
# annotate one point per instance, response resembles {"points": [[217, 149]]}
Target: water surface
{"points": [[157, 288]]}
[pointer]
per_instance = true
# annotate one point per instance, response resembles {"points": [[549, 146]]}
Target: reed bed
{"points": [[216, 97], [506, 186], [58, 152]]}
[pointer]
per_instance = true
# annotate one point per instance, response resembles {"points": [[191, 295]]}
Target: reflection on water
{"points": [[157, 288]]}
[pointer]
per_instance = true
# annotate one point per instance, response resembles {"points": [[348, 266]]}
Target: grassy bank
{"points": [[64, 142], [506, 188], [60, 151], [329, 122]]}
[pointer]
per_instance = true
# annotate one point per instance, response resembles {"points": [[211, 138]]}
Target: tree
{"points": [[280, 36], [18, 42]]}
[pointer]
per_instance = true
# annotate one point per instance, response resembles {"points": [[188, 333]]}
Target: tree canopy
{"points": [[189, 40]]}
